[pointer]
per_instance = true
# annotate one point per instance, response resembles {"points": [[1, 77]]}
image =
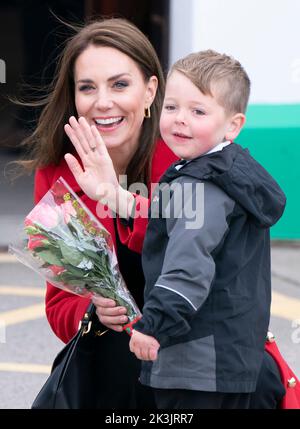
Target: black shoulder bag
{"points": [[71, 384]]}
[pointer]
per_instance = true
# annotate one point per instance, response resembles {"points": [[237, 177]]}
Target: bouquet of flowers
{"points": [[66, 244]]}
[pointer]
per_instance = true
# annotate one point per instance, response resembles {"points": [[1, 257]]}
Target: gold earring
{"points": [[147, 113]]}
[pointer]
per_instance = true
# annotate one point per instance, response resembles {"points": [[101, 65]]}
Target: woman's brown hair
{"points": [[48, 143]]}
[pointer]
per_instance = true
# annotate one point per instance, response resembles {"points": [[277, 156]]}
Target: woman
{"points": [[110, 75]]}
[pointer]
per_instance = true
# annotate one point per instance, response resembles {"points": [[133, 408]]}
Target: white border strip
{"points": [[178, 293]]}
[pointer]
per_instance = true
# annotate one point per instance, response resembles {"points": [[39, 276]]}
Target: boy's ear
{"points": [[235, 125]]}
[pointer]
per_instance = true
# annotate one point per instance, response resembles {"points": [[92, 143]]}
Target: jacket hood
{"points": [[235, 171]]}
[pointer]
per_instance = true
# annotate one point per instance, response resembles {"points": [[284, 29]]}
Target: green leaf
{"points": [[75, 230], [90, 254], [69, 280], [31, 230], [50, 257], [74, 271], [70, 254]]}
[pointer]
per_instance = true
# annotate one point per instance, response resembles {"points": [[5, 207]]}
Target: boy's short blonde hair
{"points": [[217, 75]]}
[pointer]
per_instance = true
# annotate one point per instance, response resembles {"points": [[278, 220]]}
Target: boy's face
{"points": [[191, 123]]}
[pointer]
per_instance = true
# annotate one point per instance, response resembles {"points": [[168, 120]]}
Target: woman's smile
{"points": [[109, 123]]}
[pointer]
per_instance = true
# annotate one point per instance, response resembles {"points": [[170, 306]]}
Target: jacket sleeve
{"points": [[64, 310], [132, 233], [188, 268]]}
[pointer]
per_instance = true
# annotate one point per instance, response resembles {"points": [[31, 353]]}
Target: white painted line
{"points": [[22, 314], [285, 306], [8, 258], [21, 290], [25, 367]]}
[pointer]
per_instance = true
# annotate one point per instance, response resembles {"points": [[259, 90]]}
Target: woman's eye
{"points": [[120, 84], [85, 87], [169, 107]]}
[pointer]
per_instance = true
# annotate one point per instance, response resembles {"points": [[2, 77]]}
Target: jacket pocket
{"points": [[189, 365]]}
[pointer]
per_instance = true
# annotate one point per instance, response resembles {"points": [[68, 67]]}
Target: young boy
{"points": [[208, 281]]}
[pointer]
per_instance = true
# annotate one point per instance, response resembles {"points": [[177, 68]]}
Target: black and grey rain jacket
{"points": [[208, 281]]}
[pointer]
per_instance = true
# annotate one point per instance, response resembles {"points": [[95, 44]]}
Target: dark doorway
{"points": [[31, 38], [151, 16]]}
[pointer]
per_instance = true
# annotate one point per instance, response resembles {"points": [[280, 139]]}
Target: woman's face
{"points": [[111, 93]]}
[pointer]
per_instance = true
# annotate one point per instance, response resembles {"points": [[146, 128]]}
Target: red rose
{"points": [[44, 215], [36, 241], [58, 192], [56, 269]]}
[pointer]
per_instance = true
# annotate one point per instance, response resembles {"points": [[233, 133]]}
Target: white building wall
{"points": [[264, 35]]}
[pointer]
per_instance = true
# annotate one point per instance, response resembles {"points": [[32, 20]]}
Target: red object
{"points": [[129, 326], [56, 269], [65, 310], [35, 241], [291, 399]]}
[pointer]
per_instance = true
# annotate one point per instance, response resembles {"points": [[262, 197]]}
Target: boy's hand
{"points": [[143, 346]]}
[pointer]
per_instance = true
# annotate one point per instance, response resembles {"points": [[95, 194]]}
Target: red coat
{"points": [[64, 310]]}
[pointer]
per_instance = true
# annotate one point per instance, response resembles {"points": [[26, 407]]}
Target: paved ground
{"points": [[15, 198], [28, 346]]}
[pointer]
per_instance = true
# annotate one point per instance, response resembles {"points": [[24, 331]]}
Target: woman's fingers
{"points": [[103, 302], [77, 129], [84, 137], [100, 145], [109, 313], [112, 322], [86, 130], [74, 140], [74, 165]]}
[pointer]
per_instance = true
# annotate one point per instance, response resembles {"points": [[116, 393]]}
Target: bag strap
{"points": [[85, 323]]}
